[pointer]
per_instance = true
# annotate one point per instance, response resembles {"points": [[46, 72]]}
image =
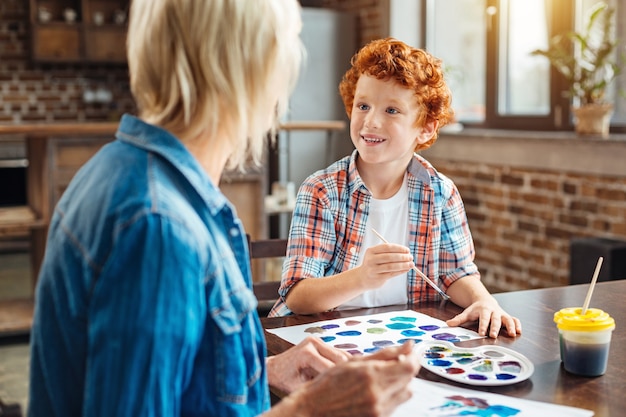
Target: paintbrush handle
{"points": [[432, 284]]}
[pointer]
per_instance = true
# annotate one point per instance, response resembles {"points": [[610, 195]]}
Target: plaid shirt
{"points": [[330, 217]]}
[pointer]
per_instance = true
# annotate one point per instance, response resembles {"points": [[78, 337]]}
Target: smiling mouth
{"points": [[370, 139]]}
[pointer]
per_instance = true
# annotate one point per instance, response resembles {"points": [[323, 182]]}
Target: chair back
{"points": [[266, 292], [267, 248]]}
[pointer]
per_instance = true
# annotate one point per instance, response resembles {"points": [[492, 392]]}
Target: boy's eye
{"points": [[392, 111], [363, 107]]}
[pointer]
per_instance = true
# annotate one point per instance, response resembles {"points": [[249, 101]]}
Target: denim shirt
{"points": [[143, 304]]}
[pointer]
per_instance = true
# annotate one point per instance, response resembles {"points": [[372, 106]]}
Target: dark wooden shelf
{"points": [[16, 317], [82, 40], [18, 217]]}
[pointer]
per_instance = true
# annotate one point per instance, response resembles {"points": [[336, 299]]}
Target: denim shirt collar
{"points": [[159, 141]]}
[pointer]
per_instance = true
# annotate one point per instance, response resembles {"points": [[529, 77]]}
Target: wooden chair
{"points": [[266, 292]]}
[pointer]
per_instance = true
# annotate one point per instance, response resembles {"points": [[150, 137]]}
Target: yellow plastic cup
{"points": [[584, 339]]}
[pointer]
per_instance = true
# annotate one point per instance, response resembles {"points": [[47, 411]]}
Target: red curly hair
{"points": [[414, 68]]}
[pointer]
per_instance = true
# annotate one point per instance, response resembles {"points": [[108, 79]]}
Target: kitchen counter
{"points": [[108, 128], [55, 151]]}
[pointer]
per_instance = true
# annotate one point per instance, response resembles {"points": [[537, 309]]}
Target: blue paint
{"points": [[329, 326], [400, 326], [504, 377], [429, 327], [372, 350], [349, 333], [439, 362], [328, 338], [382, 343], [412, 333], [406, 319]]}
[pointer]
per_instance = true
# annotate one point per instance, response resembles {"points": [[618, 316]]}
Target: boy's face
{"points": [[382, 122]]}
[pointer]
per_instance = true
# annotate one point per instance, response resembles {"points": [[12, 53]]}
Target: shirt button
{"points": [[234, 232], [362, 206], [352, 250]]}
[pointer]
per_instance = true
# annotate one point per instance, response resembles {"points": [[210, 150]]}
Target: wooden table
{"points": [[539, 342]]}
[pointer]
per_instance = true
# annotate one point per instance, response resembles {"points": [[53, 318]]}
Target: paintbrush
{"points": [[593, 284], [420, 273]]}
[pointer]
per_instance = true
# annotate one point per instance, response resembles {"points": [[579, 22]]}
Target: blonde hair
{"points": [[202, 66]]}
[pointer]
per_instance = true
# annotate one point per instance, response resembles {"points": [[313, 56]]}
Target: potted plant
{"points": [[588, 61]]}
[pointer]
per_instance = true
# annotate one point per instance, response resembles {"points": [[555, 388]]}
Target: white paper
{"points": [[375, 331], [433, 399]]}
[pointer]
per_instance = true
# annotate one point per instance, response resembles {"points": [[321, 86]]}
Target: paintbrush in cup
{"points": [[418, 272], [593, 284]]}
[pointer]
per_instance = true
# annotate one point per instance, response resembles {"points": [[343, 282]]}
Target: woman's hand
{"points": [[368, 386], [287, 371]]}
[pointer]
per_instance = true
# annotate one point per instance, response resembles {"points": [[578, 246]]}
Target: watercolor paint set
{"points": [[484, 365], [364, 335]]}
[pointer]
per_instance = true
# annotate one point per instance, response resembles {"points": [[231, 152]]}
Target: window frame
{"points": [[559, 118]]}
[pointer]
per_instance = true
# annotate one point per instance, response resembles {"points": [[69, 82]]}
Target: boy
{"points": [[396, 99]]}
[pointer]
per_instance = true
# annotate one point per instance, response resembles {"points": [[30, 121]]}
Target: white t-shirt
{"points": [[390, 218]]}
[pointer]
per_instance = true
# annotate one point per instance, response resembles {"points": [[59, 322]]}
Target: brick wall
{"points": [[372, 16], [522, 220], [34, 92]]}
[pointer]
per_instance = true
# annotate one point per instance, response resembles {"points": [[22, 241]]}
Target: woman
{"points": [[143, 304]]}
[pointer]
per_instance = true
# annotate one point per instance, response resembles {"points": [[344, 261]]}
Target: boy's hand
{"points": [[384, 261], [490, 317]]}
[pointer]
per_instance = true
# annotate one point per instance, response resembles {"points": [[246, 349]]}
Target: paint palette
{"points": [[484, 365]]}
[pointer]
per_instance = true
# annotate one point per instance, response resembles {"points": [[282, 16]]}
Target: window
{"points": [[496, 83], [455, 32]]}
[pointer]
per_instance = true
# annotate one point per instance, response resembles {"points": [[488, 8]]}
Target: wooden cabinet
{"points": [[65, 155], [105, 45], [56, 42], [79, 30]]}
